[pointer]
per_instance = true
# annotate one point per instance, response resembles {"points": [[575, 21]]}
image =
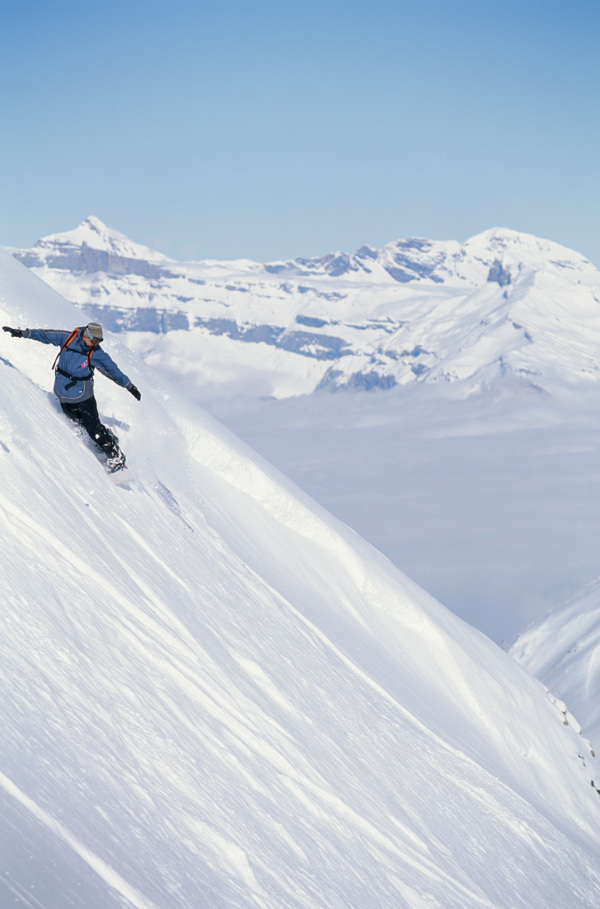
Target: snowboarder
{"points": [[80, 353]]}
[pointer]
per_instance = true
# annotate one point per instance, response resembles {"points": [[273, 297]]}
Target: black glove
{"points": [[134, 391], [15, 332]]}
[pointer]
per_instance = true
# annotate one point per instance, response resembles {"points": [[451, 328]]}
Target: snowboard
{"points": [[122, 476]]}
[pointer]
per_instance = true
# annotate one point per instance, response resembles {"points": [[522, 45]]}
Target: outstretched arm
{"points": [[43, 335], [107, 366]]}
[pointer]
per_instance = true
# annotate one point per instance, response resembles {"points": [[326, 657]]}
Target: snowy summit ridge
{"points": [[94, 247], [215, 693], [490, 255], [502, 308]]}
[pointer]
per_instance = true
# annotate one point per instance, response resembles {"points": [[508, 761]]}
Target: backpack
{"points": [[74, 379]]}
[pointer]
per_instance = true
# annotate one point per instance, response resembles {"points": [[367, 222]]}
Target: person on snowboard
{"points": [[80, 353]]}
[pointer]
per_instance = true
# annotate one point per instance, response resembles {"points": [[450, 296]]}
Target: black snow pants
{"points": [[86, 414]]}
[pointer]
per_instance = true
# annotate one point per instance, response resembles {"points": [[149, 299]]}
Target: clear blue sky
{"points": [[264, 129]]}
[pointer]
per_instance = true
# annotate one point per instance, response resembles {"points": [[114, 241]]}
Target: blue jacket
{"points": [[77, 384]]}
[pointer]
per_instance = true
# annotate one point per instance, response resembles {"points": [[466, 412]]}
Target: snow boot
{"points": [[108, 443], [116, 462]]}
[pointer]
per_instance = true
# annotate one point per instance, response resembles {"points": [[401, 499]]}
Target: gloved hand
{"points": [[15, 332], [134, 391]]}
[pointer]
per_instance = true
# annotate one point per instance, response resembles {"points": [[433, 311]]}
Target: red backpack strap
{"points": [[68, 341]]}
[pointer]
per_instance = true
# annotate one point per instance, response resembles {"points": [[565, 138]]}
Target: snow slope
{"points": [[476, 473], [563, 649], [491, 503], [502, 307], [214, 694]]}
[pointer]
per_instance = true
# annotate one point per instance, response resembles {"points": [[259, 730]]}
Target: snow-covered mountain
{"points": [[563, 649], [501, 307], [93, 247], [214, 694]]}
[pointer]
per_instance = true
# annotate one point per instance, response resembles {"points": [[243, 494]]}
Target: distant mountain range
{"points": [[502, 307]]}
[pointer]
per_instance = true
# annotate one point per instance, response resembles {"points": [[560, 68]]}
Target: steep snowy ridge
{"points": [[503, 306], [563, 649], [214, 694]]}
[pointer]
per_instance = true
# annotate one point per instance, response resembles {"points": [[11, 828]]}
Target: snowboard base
{"points": [[120, 477]]}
